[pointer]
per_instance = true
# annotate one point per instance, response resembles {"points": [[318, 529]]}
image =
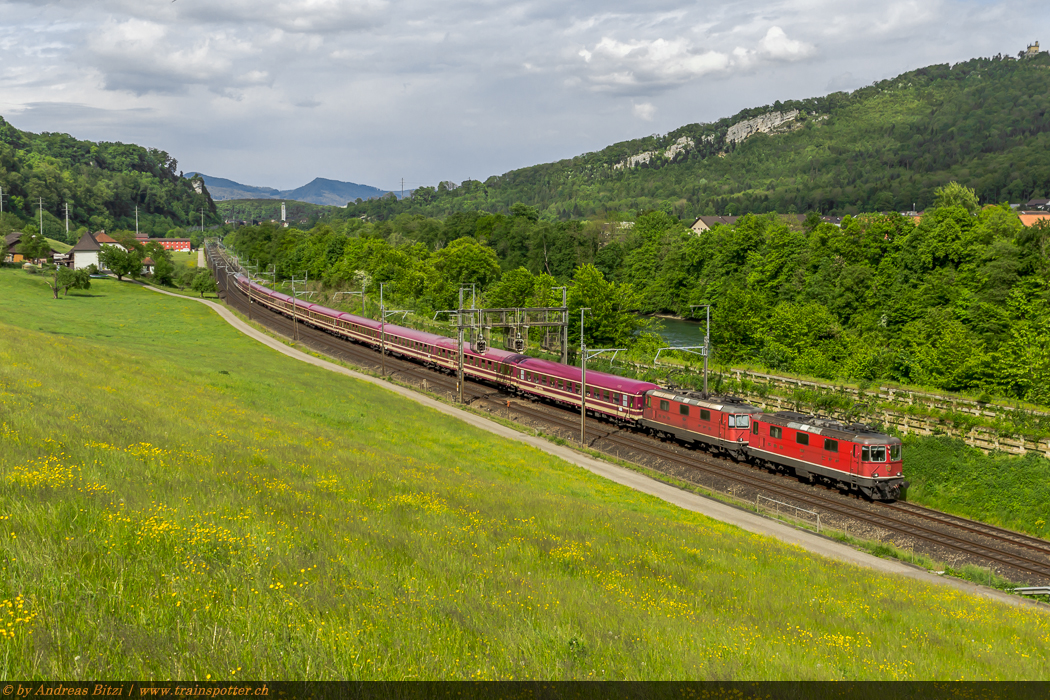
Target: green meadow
{"points": [[177, 501]]}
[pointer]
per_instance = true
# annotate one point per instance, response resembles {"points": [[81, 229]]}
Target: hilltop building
{"points": [[1032, 51]]}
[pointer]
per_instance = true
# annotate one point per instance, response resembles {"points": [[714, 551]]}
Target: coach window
{"points": [[831, 445], [775, 432], [705, 414], [605, 394], [683, 409], [664, 406], [802, 438], [616, 398]]}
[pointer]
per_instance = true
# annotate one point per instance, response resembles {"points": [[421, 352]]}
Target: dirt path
{"points": [[715, 509]]}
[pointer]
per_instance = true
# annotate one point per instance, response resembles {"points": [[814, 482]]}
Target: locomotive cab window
{"points": [[705, 414], [754, 428], [742, 421], [648, 401], [802, 438], [664, 406], [775, 431], [831, 445], [873, 453], [895, 452], [683, 409]]}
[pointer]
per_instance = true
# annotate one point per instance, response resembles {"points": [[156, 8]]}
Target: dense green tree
{"points": [[203, 282], [609, 321], [955, 195], [34, 246], [119, 261]]}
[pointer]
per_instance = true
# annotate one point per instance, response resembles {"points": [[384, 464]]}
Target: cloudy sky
{"points": [[275, 93]]}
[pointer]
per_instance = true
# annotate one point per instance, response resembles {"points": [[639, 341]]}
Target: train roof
{"points": [[599, 379], [556, 369], [715, 403], [854, 432]]}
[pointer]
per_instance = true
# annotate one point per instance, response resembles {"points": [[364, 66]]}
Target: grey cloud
{"points": [[466, 88]]}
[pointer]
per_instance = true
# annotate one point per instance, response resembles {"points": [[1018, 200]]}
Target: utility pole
{"points": [[565, 328], [583, 383], [40, 210], [707, 345], [459, 323], [67, 221], [137, 221], [382, 323], [402, 188]]}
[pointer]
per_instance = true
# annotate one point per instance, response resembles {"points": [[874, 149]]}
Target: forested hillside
{"points": [[885, 147], [957, 301], [101, 182]]}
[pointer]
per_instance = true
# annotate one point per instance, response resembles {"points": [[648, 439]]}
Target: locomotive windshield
{"points": [[873, 453], [895, 453], [741, 421]]}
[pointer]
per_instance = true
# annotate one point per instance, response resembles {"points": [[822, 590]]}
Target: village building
{"points": [[182, 245], [102, 238], [1031, 217], [85, 252], [705, 223]]}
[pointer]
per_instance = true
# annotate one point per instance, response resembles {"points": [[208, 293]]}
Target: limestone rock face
{"points": [[770, 123], [682, 145]]}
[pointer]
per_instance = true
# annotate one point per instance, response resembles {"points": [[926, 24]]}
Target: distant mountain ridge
{"points": [[334, 193]]}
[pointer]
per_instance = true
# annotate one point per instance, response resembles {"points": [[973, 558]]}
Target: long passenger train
{"points": [[850, 457]]}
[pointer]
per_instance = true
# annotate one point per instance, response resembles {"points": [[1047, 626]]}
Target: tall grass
{"points": [[996, 488], [178, 501]]}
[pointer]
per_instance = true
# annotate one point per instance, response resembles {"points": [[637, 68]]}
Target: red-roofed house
{"points": [[1030, 217], [105, 239]]}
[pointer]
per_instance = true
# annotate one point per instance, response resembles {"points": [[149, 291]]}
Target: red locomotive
{"points": [[818, 449], [722, 423], [850, 457]]}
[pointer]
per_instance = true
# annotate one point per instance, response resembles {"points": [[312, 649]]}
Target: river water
{"points": [[679, 332]]}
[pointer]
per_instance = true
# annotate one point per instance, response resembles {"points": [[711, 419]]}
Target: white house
{"points": [[85, 252]]}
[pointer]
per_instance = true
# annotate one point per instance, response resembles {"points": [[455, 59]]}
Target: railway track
{"points": [[940, 535], [1026, 555]]}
